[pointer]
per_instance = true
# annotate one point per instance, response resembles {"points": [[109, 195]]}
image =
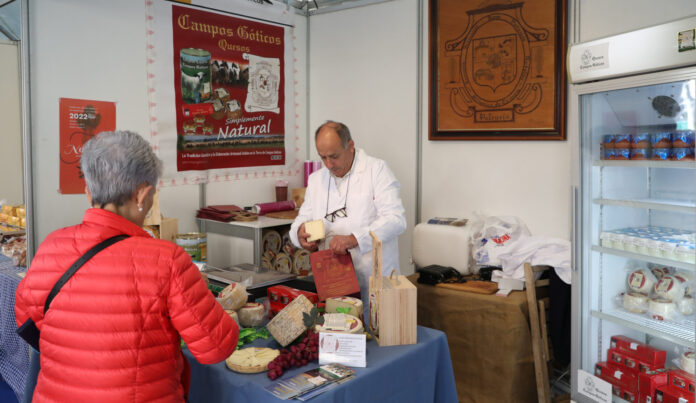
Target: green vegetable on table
{"points": [[249, 334]]}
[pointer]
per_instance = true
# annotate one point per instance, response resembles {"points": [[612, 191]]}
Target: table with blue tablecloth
{"points": [[418, 373], [14, 352]]}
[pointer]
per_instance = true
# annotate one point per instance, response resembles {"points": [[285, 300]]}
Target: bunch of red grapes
{"points": [[300, 354]]}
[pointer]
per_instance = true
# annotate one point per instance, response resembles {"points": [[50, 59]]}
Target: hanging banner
{"points": [[80, 120], [228, 80], [221, 89]]}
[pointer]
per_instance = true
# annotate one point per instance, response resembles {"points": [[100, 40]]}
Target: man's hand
{"points": [[302, 236], [341, 243]]}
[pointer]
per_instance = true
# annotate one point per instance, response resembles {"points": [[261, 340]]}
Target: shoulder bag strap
{"points": [[75, 266]]}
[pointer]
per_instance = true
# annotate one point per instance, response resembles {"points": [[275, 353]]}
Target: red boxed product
{"points": [[682, 380], [669, 394], [641, 351], [617, 376], [648, 383], [645, 367], [628, 395], [280, 296], [623, 360]]}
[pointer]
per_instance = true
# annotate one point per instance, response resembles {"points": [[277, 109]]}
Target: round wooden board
{"points": [[287, 214]]}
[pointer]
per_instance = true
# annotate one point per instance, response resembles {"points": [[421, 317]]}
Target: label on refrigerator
{"points": [[594, 58], [593, 387]]}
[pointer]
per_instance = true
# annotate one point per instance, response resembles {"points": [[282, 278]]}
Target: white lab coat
{"points": [[373, 204]]}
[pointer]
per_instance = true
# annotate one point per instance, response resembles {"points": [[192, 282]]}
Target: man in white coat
{"points": [[353, 194]]}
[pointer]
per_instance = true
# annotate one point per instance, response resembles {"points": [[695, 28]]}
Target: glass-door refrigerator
{"points": [[632, 117]]}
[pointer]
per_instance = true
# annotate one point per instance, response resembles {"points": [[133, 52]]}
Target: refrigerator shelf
{"points": [[653, 204], [681, 333], [646, 258], [645, 164]]}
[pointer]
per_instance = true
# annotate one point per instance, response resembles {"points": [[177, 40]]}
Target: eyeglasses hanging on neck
{"points": [[340, 213]]}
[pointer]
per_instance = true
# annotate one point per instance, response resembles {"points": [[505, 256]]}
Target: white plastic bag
{"points": [[492, 236]]}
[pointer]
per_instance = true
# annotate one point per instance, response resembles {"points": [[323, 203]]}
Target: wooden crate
{"points": [[393, 304]]}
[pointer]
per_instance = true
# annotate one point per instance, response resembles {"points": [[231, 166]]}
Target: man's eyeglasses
{"points": [[340, 213]]}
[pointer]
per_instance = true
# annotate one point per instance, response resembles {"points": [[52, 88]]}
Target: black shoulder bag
{"points": [[28, 331], [435, 274]]}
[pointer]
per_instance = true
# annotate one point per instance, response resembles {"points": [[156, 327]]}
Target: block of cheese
{"points": [[251, 360], [315, 229], [348, 305], [251, 314], [233, 297], [287, 325], [340, 323]]}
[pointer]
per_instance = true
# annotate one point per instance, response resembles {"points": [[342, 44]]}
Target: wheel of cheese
{"points": [[669, 287], [686, 305], [233, 315], [641, 281], [271, 241], [348, 305], [662, 308], [635, 302], [251, 360], [282, 263], [233, 297], [340, 323], [300, 263], [251, 314], [687, 362], [687, 281]]}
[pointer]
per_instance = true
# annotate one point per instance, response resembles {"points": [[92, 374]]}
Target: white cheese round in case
{"points": [[669, 287], [641, 280], [686, 305], [662, 309], [635, 302], [688, 362]]}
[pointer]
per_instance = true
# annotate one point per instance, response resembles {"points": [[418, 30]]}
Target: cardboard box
{"points": [[166, 229], [648, 382], [617, 376], [645, 353], [669, 394]]}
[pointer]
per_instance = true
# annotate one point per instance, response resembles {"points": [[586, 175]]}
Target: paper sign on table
{"points": [[342, 348]]}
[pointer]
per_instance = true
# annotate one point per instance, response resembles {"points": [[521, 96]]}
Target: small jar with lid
{"points": [[640, 154], [686, 253], [608, 141], [683, 139], [661, 154], [661, 140], [623, 141], [640, 140], [622, 153], [682, 154]]}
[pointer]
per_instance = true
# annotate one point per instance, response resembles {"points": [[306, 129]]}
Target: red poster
{"points": [[80, 120], [229, 90]]}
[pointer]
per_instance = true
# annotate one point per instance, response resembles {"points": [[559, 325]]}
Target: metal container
{"points": [[195, 244]]}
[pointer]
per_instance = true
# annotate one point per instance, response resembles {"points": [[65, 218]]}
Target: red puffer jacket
{"points": [[112, 332]]}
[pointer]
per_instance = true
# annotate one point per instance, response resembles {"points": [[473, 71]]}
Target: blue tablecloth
{"points": [[418, 373], [14, 352]]}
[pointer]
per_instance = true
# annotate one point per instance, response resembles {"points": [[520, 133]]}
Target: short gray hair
{"points": [[115, 164], [341, 130]]}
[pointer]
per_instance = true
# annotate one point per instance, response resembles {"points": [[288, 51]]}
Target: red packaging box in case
{"points": [[648, 382], [683, 381], [628, 395], [617, 376], [642, 352], [622, 359], [670, 394]]}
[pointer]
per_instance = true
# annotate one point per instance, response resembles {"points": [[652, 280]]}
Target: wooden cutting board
{"points": [[288, 214], [477, 287]]}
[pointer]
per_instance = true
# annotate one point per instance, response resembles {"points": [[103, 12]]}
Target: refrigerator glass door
{"points": [[638, 216]]}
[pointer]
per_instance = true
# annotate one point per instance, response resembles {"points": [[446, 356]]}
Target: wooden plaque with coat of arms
{"points": [[497, 70]]}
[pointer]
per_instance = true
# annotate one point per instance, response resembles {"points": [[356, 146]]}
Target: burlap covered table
{"points": [[489, 341]]}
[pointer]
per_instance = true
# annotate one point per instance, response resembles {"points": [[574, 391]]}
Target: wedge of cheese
{"points": [[233, 297], [315, 229], [251, 360], [349, 305]]}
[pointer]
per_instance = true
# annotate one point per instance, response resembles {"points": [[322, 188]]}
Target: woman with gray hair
{"points": [[113, 331]]}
